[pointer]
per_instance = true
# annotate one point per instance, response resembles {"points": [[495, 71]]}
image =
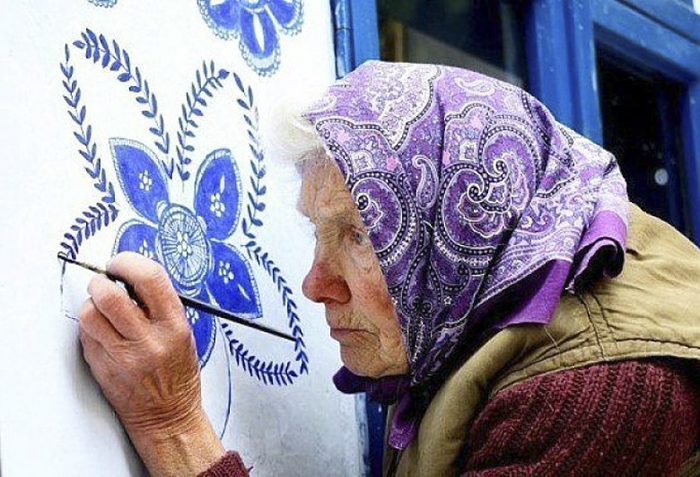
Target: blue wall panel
{"points": [[690, 124], [549, 75]]}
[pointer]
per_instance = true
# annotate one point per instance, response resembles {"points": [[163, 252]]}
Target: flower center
{"points": [[183, 246]]}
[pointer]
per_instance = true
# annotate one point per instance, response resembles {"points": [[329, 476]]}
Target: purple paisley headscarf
{"points": [[481, 208]]}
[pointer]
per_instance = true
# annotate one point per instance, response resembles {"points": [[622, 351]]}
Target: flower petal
{"points": [[217, 197], [222, 16], [203, 328], [288, 13], [135, 236], [231, 282], [259, 41], [141, 179]]}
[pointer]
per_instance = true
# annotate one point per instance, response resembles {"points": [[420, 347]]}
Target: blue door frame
{"points": [[663, 36], [562, 36]]}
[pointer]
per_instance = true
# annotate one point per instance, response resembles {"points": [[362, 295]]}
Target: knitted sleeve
{"points": [[627, 418], [230, 465]]}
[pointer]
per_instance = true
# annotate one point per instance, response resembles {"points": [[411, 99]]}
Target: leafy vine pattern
{"points": [[112, 57], [194, 102], [117, 59], [266, 372], [104, 211]]}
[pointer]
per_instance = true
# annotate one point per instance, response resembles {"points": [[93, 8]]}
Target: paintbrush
{"points": [[187, 301]]}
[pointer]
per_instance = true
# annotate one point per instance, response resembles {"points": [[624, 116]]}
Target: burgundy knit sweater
{"points": [[626, 418]]}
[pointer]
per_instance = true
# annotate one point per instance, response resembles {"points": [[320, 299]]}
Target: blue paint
{"points": [[186, 241], [561, 63], [376, 424], [103, 3], [356, 34], [583, 76], [662, 37], [104, 211], [678, 16], [365, 36], [256, 25], [565, 78], [549, 74], [218, 200], [111, 56], [342, 28], [140, 177], [207, 81], [690, 129], [193, 240], [231, 282], [267, 372], [644, 41]]}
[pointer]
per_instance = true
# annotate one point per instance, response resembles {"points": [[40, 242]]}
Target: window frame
{"points": [[660, 36]]}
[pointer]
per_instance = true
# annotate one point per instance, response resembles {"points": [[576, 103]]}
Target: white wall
{"points": [[53, 419]]}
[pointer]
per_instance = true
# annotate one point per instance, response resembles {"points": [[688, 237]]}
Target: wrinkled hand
{"points": [[144, 359]]}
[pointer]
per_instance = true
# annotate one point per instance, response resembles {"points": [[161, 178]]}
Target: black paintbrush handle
{"points": [[187, 301], [206, 307]]}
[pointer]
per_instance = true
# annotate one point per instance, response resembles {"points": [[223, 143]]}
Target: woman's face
{"points": [[345, 276]]}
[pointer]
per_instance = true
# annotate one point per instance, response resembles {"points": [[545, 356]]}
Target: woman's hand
{"points": [[144, 359]]}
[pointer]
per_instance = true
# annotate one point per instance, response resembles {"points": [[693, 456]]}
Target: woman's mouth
{"points": [[339, 334]]}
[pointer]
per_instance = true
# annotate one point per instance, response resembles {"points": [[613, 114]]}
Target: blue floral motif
{"points": [[254, 23], [104, 3], [184, 239], [189, 241]]}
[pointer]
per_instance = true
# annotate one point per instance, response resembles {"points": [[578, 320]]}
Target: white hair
{"points": [[292, 136]]}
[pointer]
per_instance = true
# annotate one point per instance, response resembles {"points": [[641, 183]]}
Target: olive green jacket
{"points": [[651, 309]]}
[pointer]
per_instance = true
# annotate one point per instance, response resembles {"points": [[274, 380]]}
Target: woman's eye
{"points": [[360, 238]]}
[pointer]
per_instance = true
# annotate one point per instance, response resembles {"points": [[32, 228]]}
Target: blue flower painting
{"points": [[191, 238], [256, 24], [189, 241], [104, 3]]}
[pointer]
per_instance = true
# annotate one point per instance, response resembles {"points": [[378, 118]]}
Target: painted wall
{"points": [[126, 126]]}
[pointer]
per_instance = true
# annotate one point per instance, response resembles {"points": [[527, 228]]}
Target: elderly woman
{"points": [[483, 271]]}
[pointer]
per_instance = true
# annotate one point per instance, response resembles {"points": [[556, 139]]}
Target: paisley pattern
{"points": [[467, 186]]}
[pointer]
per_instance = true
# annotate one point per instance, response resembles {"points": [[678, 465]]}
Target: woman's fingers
{"points": [[114, 303], [151, 284], [95, 326]]}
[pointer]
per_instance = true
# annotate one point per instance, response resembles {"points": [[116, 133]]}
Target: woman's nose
{"points": [[325, 285]]}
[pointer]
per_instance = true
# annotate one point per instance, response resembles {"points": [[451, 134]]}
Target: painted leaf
{"points": [[141, 179], [217, 194], [288, 13], [231, 282], [222, 15], [203, 329], [136, 236], [259, 35]]}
